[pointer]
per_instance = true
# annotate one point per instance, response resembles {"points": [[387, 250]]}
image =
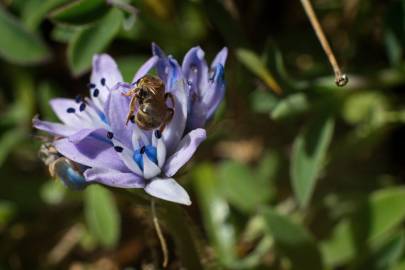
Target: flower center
{"points": [[151, 153]]}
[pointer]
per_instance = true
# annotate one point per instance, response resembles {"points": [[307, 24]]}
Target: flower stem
{"points": [[179, 227], [160, 234]]}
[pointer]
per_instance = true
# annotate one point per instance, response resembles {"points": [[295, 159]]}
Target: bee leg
{"points": [[170, 96], [131, 109], [168, 118], [131, 92]]}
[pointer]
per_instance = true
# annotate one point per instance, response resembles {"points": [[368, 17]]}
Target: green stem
{"points": [[174, 217]]}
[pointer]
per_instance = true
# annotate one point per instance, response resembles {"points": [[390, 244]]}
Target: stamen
{"points": [[91, 85], [132, 119], [102, 81], [82, 107], [70, 110], [96, 92], [158, 134], [110, 135], [118, 149], [143, 149], [78, 99]]}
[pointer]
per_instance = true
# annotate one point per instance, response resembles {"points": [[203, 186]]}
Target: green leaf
{"points": [[102, 215], [400, 266], [63, 33], [7, 212], [45, 92], [53, 192], [8, 141], [290, 106], [80, 12], [91, 40], [293, 241], [241, 188], [216, 213], [308, 154], [379, 214], [17, 44], [383, 256], [262, 102], [257, 67], [36, 10]]}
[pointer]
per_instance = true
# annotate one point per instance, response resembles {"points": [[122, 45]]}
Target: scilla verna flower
{"points": [[122, 155], [206, 86]]}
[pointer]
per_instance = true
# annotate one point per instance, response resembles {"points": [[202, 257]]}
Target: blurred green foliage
{"points": [[296, 173]]}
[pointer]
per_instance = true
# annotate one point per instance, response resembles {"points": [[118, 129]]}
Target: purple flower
{"points": [[81, 116], [122, 155], [206, 85]]}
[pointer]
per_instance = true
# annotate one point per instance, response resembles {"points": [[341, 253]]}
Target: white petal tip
{"points": [[168, 189]]}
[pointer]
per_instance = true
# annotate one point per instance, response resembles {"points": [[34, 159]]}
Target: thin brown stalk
{"points": [[160, 235], [340, 78]]}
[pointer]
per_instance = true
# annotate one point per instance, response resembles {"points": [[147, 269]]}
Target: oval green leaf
{"points": [[17, 44], [241, 188], [216, 213], [308, 154], [102, 216], [80, 12], [293, 240], [91, 40], [381, 212]]}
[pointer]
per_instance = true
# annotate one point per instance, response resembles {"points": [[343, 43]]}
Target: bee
{"points": [[149, 94]]}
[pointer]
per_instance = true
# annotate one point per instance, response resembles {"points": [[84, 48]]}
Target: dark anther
{"points": [[119, 149], [132, 118], [102, 81], [82, 107], [96, 92], [158, 134], [91, 85], [78, 99], [143, 150], [70, 110], [110, 135]]}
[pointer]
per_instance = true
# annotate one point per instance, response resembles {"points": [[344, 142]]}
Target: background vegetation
{"points": [[312, 178]]}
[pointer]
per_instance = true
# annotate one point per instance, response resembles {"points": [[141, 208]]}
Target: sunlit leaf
{"points": [[17, 44], [308, 154], [240, 186], [216, 213], [80, 12], [91, 40], [293, 241], [378, 215], [102, 216], [257, 67]]}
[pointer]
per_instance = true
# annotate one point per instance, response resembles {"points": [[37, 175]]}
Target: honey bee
{"points": [[149, 94]]}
